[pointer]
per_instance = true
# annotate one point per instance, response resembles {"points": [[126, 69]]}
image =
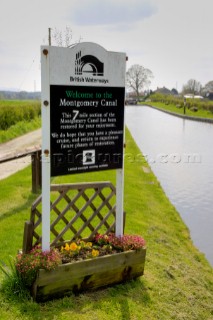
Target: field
{"points": [[18, 117]]}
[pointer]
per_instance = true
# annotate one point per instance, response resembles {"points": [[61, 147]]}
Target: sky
{"points": [[171, 38]]}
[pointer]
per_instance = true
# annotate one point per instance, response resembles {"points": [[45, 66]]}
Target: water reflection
{"points": [[180, 154]]}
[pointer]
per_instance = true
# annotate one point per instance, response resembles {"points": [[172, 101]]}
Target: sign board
{"points": [[87, 89], [83, 90]]}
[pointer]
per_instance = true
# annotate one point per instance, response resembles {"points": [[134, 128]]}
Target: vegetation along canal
{"points": [[180, 154]]}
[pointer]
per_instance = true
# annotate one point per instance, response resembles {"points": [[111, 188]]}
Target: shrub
{"points": [[178, 100]]}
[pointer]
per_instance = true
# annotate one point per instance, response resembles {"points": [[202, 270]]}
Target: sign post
{"points": [[45, 98], [83, 93]]}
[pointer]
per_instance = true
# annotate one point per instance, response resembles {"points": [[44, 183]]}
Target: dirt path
{"points": [[16, 146]]}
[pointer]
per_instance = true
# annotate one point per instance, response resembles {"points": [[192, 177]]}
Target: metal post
{"points": [[45, 85], [119, 202], [119, 226], [49, 37], [184, 106]]}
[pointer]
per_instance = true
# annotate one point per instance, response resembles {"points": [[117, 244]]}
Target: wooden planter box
{"points": [[88, 274]]}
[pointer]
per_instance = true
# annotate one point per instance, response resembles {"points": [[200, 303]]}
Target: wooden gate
{"points": [[77, 211]]}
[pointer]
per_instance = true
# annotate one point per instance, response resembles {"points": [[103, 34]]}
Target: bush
{"points": [[178, 101]]}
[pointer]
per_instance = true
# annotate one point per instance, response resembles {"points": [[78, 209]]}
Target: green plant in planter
{"points": [[106, 260], [28, 264], [124, 243], [100, 245], [27, 267]]}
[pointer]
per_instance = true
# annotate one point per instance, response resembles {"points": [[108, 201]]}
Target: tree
{"points": [[208, 87], [138, 77], [174, 91], [61, 38], [192, 86]]}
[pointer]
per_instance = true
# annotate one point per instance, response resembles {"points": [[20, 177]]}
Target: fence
{"points": [[77, 211], [35, 154]]}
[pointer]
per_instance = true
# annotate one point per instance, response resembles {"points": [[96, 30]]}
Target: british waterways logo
{"points": [[88, 64]]}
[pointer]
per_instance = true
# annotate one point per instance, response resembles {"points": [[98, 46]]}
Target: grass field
{"points": [[18, 117], [178, 280]]}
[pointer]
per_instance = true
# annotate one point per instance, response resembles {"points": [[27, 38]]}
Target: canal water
{"points": [[180, 153]]}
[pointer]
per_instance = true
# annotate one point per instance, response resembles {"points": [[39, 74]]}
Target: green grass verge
{"points": [[19, 129], [172, 108], [178, 280]]}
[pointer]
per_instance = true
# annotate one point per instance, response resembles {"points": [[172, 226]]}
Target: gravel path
{"points": [[19, 145]]}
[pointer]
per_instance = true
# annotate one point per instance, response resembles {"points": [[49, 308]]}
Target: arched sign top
{"points": [[89, 46], [86, 63]]}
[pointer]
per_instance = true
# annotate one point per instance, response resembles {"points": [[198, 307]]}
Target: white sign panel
{"points": [[83, 92], [87, 90]]}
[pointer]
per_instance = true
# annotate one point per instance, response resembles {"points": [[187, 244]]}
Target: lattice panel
{"points": [[77, 211]]}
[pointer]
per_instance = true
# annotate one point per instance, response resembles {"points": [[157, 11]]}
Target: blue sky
{"points": [[171, 38]]}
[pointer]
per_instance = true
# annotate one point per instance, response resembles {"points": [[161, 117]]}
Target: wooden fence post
{"points": [[28, 237], [36, 171]]}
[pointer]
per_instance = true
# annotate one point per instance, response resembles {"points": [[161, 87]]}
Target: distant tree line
{"points": [[194, 87], [21, 95], [138, 80]]}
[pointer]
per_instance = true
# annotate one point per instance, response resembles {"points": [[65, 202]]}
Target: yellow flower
{"points": [[88, 244], [95, 253], [67, 247], [73, 246]]}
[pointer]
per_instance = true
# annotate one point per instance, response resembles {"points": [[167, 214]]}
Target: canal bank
{"points": [[180, 154], [183, 116]]}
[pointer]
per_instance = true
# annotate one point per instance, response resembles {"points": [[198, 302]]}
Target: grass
{"points": [[178, 280], [17, 103], [19, 129], [201, 113], [18, 117]]}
